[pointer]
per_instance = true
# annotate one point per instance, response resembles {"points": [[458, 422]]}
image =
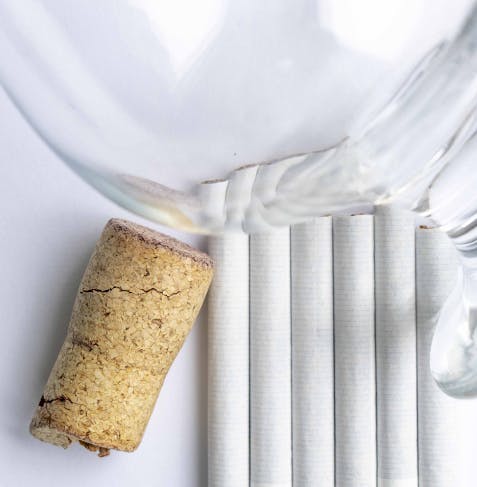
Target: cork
{"points": [[138, 299]]}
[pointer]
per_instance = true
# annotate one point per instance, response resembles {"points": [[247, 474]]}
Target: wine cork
{"points": [[137, 301]]}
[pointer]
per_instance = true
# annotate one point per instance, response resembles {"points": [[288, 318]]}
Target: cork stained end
{"points": [[54, 436], [49, 434], [157, 239]]}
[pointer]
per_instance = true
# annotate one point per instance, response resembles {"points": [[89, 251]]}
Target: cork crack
{"points": [[142, 291], [44, 401], [104, 291], [153, 289]]}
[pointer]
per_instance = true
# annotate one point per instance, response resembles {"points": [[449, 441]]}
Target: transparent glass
{"points": [[249, 115]]}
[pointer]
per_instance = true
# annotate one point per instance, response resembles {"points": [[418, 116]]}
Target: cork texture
{"points": [[138, 300]]}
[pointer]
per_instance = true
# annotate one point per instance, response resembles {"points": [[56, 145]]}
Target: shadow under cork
{"points": [[202, 374], [202, 380]]}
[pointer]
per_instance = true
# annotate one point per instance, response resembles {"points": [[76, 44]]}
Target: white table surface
{"points": [[49, 221]]}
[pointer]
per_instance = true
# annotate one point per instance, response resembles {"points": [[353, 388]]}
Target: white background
{"points": [[49, 222]]}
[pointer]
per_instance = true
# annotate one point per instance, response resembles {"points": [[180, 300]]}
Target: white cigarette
{"points": [[312, 353], [263, 213], [436, 272], [228, 386], [211, 195], [270, 335], [238, 197], [355, 405], [394, 232]]}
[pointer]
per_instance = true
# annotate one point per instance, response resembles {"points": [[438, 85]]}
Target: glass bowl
{"points": [[249, 115]]}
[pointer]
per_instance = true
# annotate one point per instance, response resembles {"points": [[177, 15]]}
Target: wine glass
{"points": [[249, 115]]}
